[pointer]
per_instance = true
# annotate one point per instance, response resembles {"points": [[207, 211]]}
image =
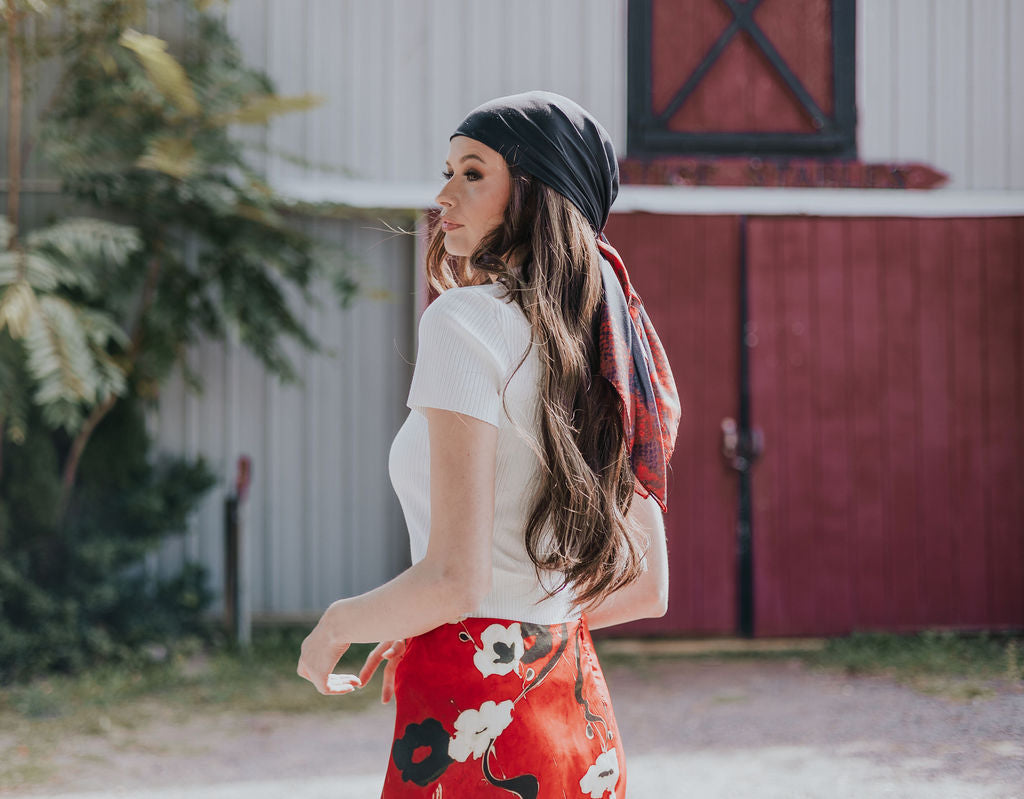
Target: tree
{"points": [[188, 242]]}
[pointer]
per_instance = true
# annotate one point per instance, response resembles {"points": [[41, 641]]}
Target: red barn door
{"points": [[888, 377], [685, 270]]}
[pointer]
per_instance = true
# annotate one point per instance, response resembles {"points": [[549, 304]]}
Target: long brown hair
{"points": [[545, 254]]}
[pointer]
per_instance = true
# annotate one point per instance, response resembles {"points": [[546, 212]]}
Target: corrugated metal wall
{"points": [[398, 75], [322, 520], [936, 81], [943, 82]]}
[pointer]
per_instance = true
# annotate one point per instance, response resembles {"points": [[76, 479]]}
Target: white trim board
{"points": [[697, 200]]}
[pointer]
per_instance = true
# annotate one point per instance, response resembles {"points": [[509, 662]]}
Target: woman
{"points": [[541, 402]]}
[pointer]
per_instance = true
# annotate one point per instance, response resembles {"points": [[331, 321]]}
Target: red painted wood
{"points": [[899, 354], [801, 30], [682, 32], [968, 464], [765, 171], [887, 375], [870, 545], [685, 270], [832, 378], [1018, 259], [937, 558], [763, 344], [742, 91], [1001, 390], [796, 438]]}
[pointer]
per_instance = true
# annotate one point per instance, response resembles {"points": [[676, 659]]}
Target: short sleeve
{"points": [[460, 358]]}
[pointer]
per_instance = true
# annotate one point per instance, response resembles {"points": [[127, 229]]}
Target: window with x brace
{"points": [[663, 124]]}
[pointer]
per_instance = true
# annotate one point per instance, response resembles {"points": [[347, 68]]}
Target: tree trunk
{"points": [[101, 410], [14, 83]]}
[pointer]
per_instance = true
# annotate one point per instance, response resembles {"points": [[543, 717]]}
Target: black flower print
{"points": [[541, 636], [416, 765]]}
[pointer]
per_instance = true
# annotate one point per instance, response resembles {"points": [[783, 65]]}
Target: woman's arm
{"points": [[647, 597], [453, 577]]}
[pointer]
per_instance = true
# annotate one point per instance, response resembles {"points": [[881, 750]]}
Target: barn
{"points": [[823, 210]]}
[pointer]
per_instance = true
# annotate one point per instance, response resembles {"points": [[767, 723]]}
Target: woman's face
{"points": [[474, 198]]}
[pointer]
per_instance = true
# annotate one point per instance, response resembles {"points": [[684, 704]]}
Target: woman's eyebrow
{"points": [[466, 158]]}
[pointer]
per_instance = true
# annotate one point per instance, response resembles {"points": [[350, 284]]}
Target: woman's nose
{"points": [[443, 199]]}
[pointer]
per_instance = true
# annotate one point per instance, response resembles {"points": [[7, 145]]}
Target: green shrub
{"points": [[75, 593]]}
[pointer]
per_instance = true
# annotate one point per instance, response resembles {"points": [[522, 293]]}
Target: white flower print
{"points": [[502, 649], [601, 776], [475, 729]]}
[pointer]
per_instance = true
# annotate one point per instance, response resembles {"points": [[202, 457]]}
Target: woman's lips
{"points": [[446, 225]]}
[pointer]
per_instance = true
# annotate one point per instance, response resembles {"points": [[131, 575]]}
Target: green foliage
{"points": [[148, 138], [928, 653], [69, 346], [73, 593], [95, 314]]}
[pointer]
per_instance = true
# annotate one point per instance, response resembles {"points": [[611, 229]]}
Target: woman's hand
{"points": [[319, 655], [392, 652]]}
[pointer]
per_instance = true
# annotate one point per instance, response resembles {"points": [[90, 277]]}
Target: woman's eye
{"points": [[447, 175], [472, 174]]}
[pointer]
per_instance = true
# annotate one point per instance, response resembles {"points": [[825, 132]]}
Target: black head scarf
{"points": [[556, 141], [560, 144]]}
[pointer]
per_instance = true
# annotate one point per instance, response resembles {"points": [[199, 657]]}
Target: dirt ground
{"points": [[691, 728]]}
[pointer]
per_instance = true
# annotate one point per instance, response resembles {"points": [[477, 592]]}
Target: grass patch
{"points": [[929, 653], [959, 666], [193, 679], [38, 717]]}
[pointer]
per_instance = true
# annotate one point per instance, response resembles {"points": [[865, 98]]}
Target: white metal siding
{"points": [[399, 75], [937, 81], [322, 520], [940, 81]]}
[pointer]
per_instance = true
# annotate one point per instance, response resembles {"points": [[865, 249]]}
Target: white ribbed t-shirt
{"points": [[471, 339]]}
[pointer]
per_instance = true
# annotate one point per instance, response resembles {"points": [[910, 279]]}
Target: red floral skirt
{"points": [[499, 708]]}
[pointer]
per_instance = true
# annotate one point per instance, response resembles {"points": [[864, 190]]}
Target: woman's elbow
{"points": [[656, 600], [658, 606], [466, 589]]}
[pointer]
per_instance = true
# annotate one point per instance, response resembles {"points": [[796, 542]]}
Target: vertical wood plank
{"points": [[937, 556], [870, 550], [833, 379], [765, 380], [899, 309], [1004, 478], [801, 488], [968, 423], [718, 485]]}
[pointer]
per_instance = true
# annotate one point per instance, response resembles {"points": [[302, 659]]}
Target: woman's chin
{"points": [[458, 252], [456, 245]]}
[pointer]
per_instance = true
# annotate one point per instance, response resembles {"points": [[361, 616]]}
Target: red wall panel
{"points": [[685, 270], [887, 377]]}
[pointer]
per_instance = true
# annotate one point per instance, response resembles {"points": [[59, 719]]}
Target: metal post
{"points": [[237, 613]]}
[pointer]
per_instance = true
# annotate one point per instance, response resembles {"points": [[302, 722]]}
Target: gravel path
{"points": [[691, 728]]}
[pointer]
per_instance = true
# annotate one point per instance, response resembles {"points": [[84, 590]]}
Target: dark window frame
{"points": [[648, 135]]}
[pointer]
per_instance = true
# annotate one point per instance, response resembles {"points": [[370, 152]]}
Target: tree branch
{"points": [[14, 83], [100, 411]]}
